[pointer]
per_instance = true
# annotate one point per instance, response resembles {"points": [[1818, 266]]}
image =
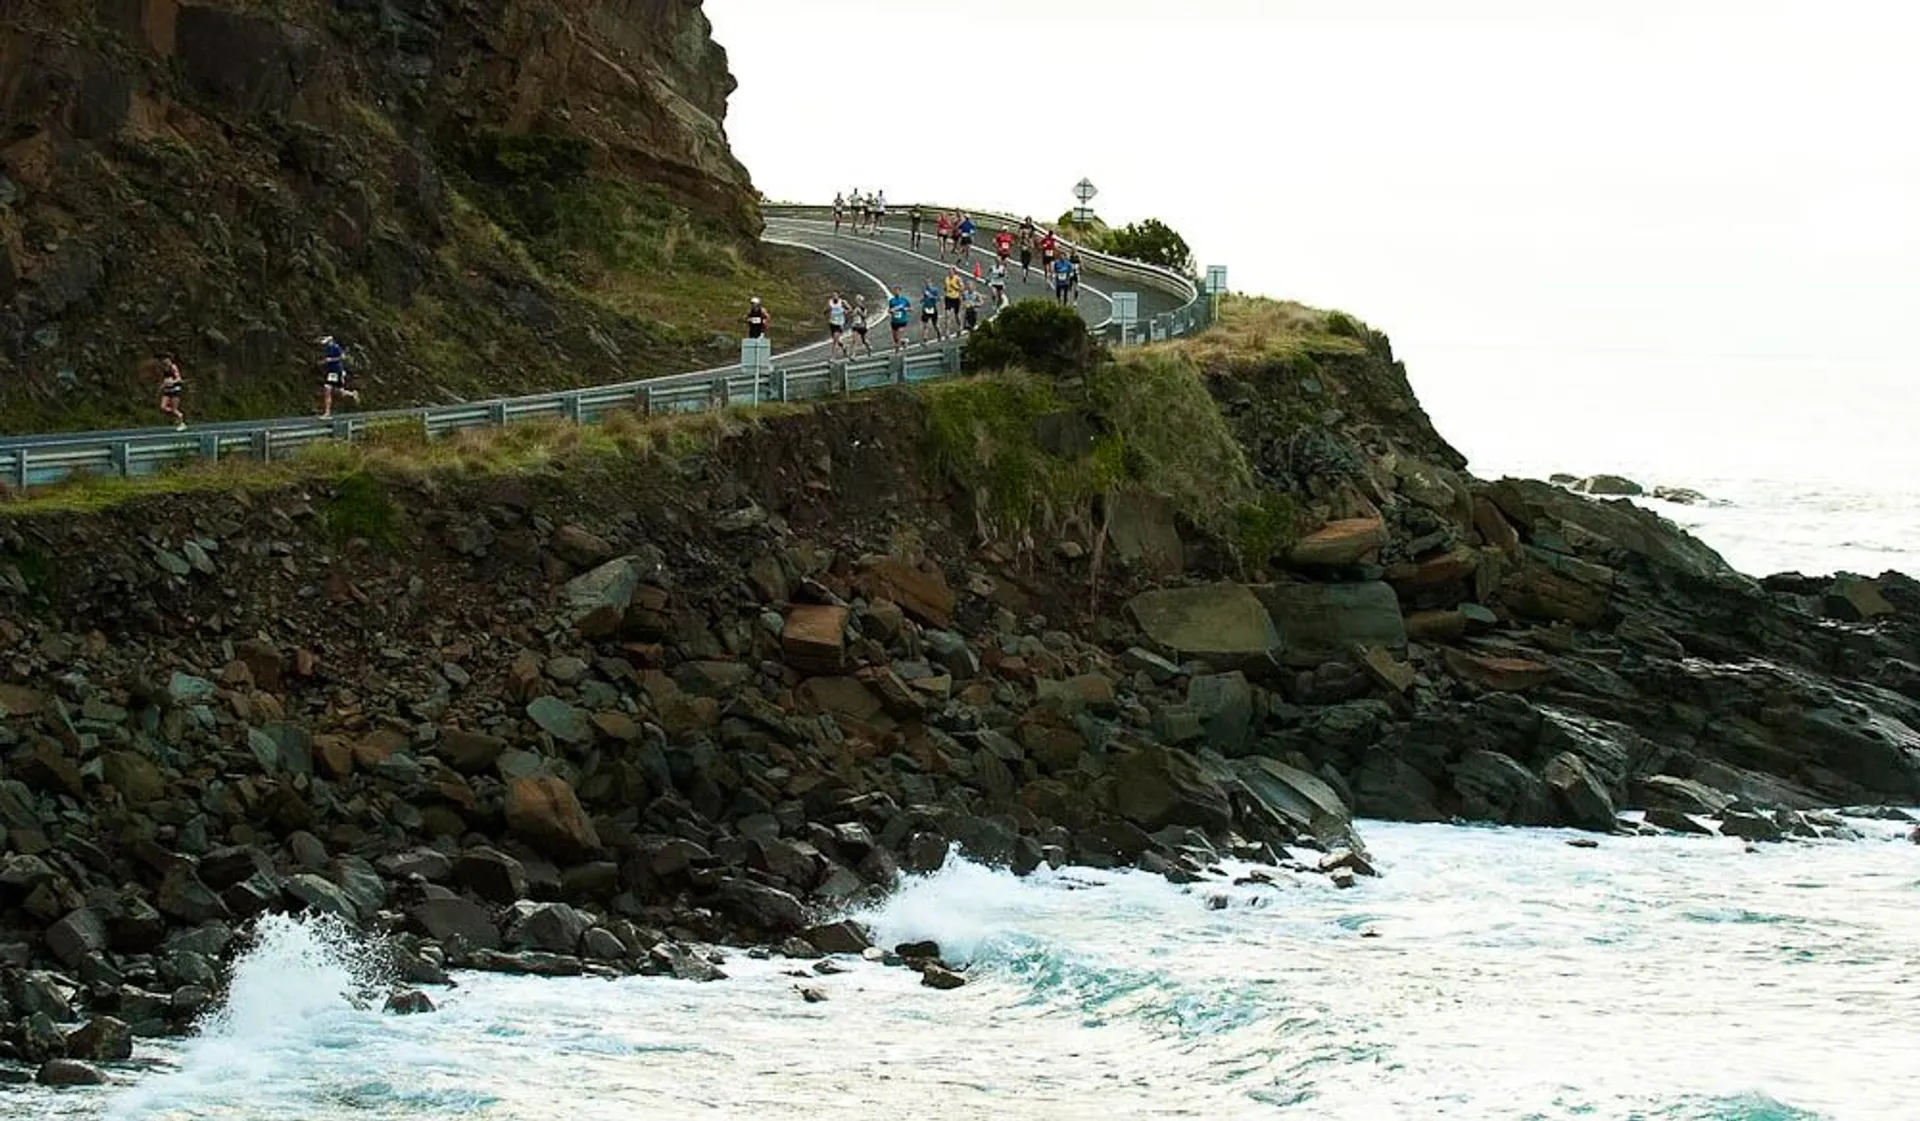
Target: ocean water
{"points": [[1489, 974]]}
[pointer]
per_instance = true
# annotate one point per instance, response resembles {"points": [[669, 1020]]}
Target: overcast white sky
{"points": [[1704, 212]]}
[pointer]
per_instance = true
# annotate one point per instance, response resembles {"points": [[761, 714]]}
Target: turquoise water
{"points": [[1490, 974]]}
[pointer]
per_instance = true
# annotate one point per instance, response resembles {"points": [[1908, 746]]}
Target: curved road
{"points": [[883, 259]]}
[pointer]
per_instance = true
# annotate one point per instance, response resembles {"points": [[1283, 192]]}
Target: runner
{"points": [[837, 323], [997, 281], [859, 318], [929, 313], [972, 299], [899, 310], [913, 221], [943, 230], [333, 380], [955, 290], [1026, 254], [172, 385], [1003, 245], [879, 204], [1062, 279], [1073, 276], [965, 232], [839, 209], [757, 319], [1048, 249]]}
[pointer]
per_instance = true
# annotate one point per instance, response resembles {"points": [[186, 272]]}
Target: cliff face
{"points": [[441, 182]]}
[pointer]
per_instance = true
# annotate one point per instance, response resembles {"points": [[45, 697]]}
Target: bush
{"points": [[1152, 242], [1035, 335]]}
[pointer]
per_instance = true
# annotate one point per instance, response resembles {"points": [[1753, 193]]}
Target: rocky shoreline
{"points": [[592, 720]]}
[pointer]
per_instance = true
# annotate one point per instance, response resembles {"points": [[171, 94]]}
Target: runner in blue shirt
{"points": [[966, 231], [1062, 278], [899, 311], [929, 312], [333, 381]]}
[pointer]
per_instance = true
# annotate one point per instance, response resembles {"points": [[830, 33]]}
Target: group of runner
{"points": [[334, 372], [867, 214], [955, 304]]}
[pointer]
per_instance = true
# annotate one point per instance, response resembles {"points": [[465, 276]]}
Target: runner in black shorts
{"points": [[859, 318], [1026, 256]]}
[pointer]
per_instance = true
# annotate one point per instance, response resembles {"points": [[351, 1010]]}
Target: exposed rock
{"points": [[1330, 622], [762, 907], [1304, 802], [814, 638], [444, 920], [552, 927], [1509, 675], [69, 1072], [921, 592], [597, 601], [102, 1039], [1582, 797], [1155, 787], [543, 810], [1340, 543], [1210, 620], [936, 976], [1609, 485], [1675, 821], [408, 1002]]}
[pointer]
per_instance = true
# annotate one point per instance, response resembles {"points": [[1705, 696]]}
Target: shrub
{"points": [[1034, 335], [1152, 242], [360, 508]]}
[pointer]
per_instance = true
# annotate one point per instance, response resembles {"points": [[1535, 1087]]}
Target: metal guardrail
{"points": [[139, 453]]}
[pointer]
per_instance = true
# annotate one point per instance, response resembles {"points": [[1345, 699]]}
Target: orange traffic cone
{"points": [[976, 270]]}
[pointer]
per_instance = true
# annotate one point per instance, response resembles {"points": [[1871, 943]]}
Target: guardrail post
{"points": [[20, 468], [263, 445], [778, 390], [343, 429], [570, 404], [721, 398], [209, 447], [645, 402], [122, 457], [497, 413], [951, 355], [426, 427]]}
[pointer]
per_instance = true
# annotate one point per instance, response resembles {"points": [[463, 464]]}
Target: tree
{"points": [[1152, 242]]}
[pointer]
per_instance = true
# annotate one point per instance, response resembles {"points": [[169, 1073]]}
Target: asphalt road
{"points": [[884, 258]]}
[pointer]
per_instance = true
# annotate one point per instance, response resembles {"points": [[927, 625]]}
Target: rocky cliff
{"points": [[715, 679], [483, 195]]}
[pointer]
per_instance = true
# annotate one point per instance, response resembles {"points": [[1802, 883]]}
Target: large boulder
{"points": [[597, 601], [444, 920], [553, 927], [1498, 788], [1155, 787], [761, 907], [814, 638], [1582, 797], [544, 811], [1320, 623], [1304, 803], [1210, 620]]}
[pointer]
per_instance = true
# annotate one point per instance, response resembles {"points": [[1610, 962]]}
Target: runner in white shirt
{"points": [[878, 204], [837, 323], [997, 280]]}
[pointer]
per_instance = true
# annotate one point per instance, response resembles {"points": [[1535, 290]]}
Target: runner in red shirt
{"points": [[943, 232], [1049, 249], [1003, 244]]}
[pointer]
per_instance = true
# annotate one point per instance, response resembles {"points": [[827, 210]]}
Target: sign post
{"points": [[1084, 191], [1216, 287], [1126, 311], [756, 361]]}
